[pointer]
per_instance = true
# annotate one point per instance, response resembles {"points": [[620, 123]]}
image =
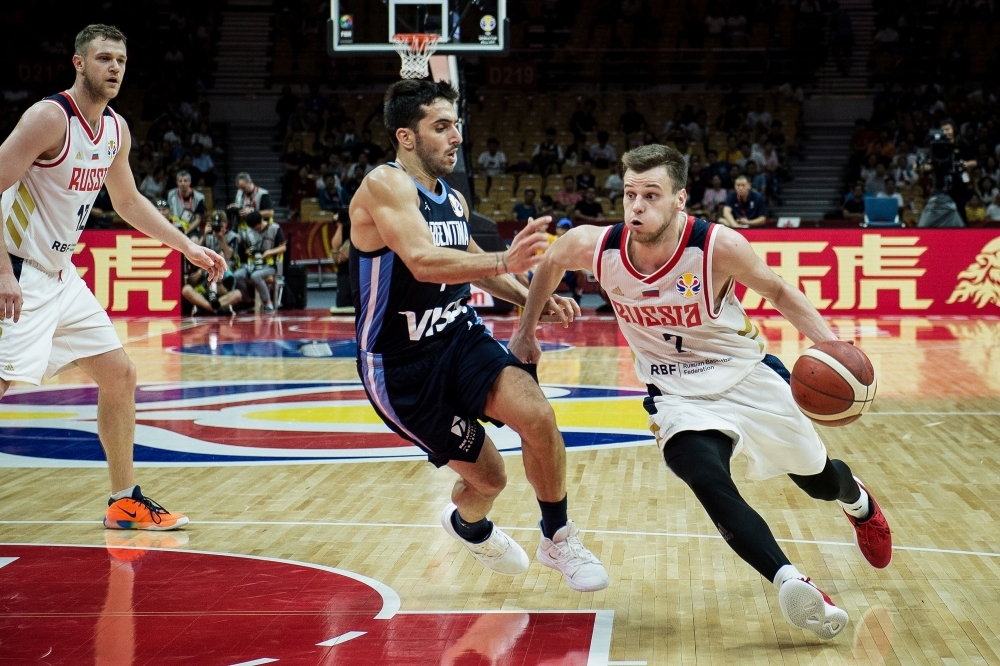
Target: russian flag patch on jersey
{"points": [[95, 156], [651, 293]]}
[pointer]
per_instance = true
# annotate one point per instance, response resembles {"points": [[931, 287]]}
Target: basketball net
{"points": [[416, 50]]}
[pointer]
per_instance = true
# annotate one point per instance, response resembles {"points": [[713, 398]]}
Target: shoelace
{"points": [[576, 550], [154, 509]]}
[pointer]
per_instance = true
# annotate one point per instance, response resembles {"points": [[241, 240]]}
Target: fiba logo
{"points": [[688, 285], [346, 22], [488, 23], [456, 205]]}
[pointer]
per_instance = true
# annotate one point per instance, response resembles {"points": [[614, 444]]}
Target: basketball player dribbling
{"points": [[713, 391], [51, 168], [428, 365]]}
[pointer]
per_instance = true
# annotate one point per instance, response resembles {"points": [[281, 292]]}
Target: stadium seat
{"points": [[881, 212]]}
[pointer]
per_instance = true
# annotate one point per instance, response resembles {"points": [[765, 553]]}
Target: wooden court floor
{"points": [[270, 451]]}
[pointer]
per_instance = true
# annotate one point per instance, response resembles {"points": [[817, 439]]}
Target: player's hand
{"points": [[560, 309], [212, 262], [528, 245], [10, 297], [524, 345]]}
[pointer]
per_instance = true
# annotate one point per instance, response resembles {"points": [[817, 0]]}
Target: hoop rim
{"points": [[416, 39]]}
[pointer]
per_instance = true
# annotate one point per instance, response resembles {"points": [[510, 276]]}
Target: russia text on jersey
{"points": [[684, 316], [86, 180]]}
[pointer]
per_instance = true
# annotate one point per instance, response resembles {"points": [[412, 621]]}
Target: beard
{"points": [[435, 164], [95, 88], [653, 237]]}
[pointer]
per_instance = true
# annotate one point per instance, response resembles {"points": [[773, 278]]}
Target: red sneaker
{"points": [[872, 535]]}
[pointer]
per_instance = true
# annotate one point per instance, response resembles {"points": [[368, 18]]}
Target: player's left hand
{"points": [[524, 345], [560, 309], [211, 261]]}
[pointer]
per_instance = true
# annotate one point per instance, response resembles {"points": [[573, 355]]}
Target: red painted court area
{"points": [[133, 606]]}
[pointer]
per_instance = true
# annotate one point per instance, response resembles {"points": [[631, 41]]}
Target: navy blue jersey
{"points": [[396, 315]]}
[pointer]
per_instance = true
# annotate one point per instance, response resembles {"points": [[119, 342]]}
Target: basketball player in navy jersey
{"points": [[429, 367], [713, 391], [51, 168]]}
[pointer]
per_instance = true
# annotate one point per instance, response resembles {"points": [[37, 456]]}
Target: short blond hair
{"points": [[646, 158], [92, 32]]}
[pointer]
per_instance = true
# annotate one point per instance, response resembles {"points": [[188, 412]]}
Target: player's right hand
{"points": [[10, 297], [528, 245], [524, 345]]}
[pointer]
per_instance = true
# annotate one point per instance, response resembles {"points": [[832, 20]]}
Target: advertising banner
{"points": [[130, 273], [867, 272]]}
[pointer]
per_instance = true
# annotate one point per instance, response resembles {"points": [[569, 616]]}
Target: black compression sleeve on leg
{"points": [[835, 482], [701, 460]]}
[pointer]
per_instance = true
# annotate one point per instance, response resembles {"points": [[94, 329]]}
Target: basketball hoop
{"points": [[416, 50]]}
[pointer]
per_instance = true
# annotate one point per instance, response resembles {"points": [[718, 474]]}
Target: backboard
{"points": [[465, 26]]}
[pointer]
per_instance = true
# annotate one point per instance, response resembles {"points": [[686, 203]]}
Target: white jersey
{"points": [[682, 345], [45, 211]]}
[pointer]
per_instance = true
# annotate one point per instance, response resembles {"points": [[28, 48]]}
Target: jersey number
{"points": [[82, 216], [678, 341]]}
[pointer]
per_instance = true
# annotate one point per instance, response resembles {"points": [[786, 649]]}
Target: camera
{"points": [[216, 223]]}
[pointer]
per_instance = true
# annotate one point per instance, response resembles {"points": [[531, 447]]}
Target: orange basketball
{"points": [[833, 383]]}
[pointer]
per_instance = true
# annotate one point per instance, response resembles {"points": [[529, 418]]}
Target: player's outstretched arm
{"points": [[41, 132], [574, 250], [733, 252], [139, 211], [388, 198]]}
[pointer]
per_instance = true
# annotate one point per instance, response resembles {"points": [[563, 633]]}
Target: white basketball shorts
{"points": [[761, 417], [61, 321]]}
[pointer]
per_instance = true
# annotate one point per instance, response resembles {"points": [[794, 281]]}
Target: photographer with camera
{"points": [[250, 198], [949, 170], [216, 297], [265, 246], [187, 205]]}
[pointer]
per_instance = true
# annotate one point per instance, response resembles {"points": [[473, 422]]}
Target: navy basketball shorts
{"points": [[437, 400]]}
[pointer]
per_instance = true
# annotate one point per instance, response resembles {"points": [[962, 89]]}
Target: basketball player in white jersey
{"points": [[51, 168], [713, 391]]}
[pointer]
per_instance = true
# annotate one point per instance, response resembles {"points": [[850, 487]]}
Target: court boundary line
{"points": [[293, 523]]}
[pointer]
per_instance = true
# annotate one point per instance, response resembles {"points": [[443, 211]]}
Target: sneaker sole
{"points": [[858, 545], [546, 561], [446, 524], [128, 525], [809, 611]]}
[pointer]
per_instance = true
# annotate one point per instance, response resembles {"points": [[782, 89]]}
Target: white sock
{"points": [[860, 508], [784, 573], [122, 494]]}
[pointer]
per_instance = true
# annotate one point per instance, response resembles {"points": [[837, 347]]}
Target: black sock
{"points": [[476, 532], [553, 516]]}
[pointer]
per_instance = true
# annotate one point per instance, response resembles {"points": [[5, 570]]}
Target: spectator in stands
{"points": [[715, 197], [588, 209], [716, 167], [697, 182], [891, 192], [631, 122], [250, 198], [585, 178], [602, 153], [492, 161], [154, 184], [294, 159], [674, 128], [201, 161], [854, 206], [759, 120], [986, 189], [684, 149], [697, 129], [360, 169], [174, 135], [368, 147], [993, 210], [545, 206], [577, 153], [776, 135], [218, 298], [329, 196], [758, 180], [732, 154], [301, 121], [548, 155], [614, 186], [568, 195], [204, 137], [975, 211], [744, 207], [303, 187], [582, 121], [143, 161], [187, 205], [526, 209], [349, 136], [875, 183], [902, 171]]}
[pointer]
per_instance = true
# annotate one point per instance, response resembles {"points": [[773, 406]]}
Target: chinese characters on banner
{"points": [[130, 273], [865, 272]]}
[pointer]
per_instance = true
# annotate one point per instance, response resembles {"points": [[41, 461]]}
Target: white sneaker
{"points": [[498, 553], [566, 553], [807, 607]]}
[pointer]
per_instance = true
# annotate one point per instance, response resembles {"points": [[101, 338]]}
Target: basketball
{"points": [[833, 383]]}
